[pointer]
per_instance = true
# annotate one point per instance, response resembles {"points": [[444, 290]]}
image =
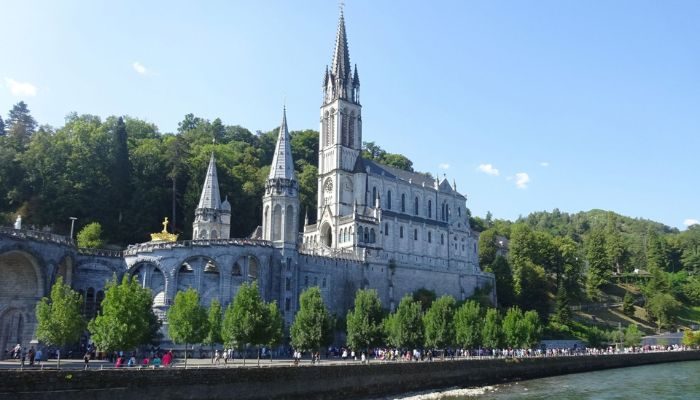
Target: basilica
{"points": [[377, 227]]}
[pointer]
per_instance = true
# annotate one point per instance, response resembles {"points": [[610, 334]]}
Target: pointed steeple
{"points": [[282, 163], [210, 197], [340, 67]]}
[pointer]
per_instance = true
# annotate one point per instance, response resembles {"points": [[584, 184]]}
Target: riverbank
{"points": [[318, 382]]}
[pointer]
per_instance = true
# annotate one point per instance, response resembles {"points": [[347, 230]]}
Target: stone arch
{"points": [[211, 283], [12, 328], [64, 270], [326, 234], [22, 276], [247, 266], [151, 276]]}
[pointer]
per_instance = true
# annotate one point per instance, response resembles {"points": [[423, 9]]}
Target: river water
{"points": [[677, 381]]}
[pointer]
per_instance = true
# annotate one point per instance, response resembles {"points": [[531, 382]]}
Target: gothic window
{"points": [[401, 232], [442, 238], [359, 234], [277, 222], [351, 130], [366, 235], [403, 202], [327, 129], [430, 209], [346, 123], [288, 284], [333, 117], [459, 211], [252, 268], [388, 200], [415, 234], [328, 191], [324, 282], [372, 236], [374, 195], [415, 206], [430, 237], [287, 304], [386, 229]]}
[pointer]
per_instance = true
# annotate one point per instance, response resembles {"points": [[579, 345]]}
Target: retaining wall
{"points": [[308, 382]]}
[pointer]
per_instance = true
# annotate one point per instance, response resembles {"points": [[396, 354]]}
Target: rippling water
{"points": [[677, 381]]}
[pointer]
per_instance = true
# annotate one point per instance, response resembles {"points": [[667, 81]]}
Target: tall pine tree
{"points": [[20, 124]]}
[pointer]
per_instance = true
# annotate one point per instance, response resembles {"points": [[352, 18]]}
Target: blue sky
{"points": [[527, 105]]}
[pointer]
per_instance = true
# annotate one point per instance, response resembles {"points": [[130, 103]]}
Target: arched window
{"points": [[442, 238], [430, 237], [359, 235], [372, 236], [403, 202], [401, 232], [459, 211], [386, 229], [430, 209], [366, 234], [388, 200], [374, 196], [415, 234], [415, 206], [351, 130], [327, 129]]}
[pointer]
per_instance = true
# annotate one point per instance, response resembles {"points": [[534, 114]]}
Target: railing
{"points": [[100, 252], [151, 246], [320, 249], [36, 235]]}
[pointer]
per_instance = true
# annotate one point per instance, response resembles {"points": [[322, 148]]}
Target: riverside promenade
{"points": [[326, 380]]}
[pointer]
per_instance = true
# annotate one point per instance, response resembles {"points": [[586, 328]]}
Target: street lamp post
{"points": [[72, 225]]}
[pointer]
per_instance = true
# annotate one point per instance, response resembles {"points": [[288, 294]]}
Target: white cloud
{"points": [[544, 164], [488, 169], [521, 180], [691, 221], [444, 166], [140, 68], [20, 88]]}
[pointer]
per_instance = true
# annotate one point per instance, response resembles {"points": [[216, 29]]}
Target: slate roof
{"points": [[282, 163], [210, 197]]}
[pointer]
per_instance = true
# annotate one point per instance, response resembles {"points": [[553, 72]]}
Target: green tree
{"points": [[127, 319], [662, 307], [488, 247], [491, 329], [2, 127], [531, 329], [364, 321], [214, 323], [120, 180], [614, 244], [598, 273], [90, 237], [425, 297], [633, 336], [404, 327], [246, 320], [628, 304], [563, 310], [510, 326], [59, 320], [274, 334], [467, 321], [312, 327], [20, 125], [439, 323], [504, 281], [691, 338], [187, 319]]}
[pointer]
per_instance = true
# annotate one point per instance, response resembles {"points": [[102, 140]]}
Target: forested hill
{"points": [[125, 174]]}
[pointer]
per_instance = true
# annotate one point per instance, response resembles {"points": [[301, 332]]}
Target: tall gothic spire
{"points": [[340, 67], [282, 163], [210, 197]]}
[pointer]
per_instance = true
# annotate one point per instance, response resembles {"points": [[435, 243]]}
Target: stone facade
{"points": [[378, 227]]}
